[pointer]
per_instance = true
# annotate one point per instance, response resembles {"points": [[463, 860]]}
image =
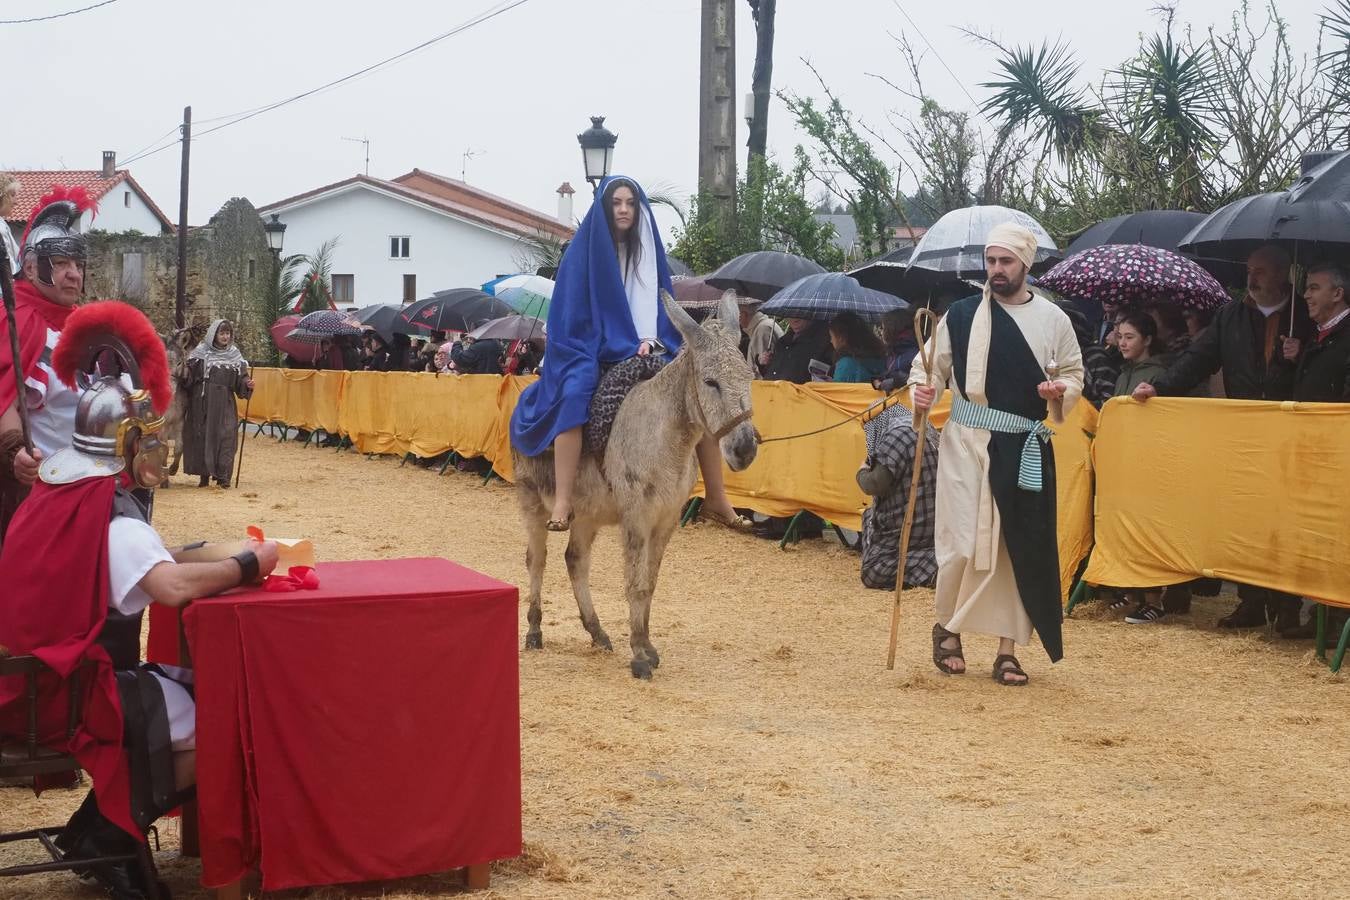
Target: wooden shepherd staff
{"points": [[243, 430], [924, 322]]}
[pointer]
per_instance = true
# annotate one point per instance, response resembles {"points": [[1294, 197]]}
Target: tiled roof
{"points": [[36, 183], [451, 196]]}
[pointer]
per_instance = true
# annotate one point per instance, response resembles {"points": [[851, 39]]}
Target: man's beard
{"points": [[1007, 288]]}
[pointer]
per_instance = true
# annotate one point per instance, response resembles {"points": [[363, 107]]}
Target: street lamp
{"points": [[597, 150], [276, 232]]}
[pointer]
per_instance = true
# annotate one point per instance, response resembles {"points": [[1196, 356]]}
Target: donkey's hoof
{"points": [[654, 658], [642, 669], [601, 642], [534, 641]]}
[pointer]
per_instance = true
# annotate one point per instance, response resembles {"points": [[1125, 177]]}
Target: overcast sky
{"points": [[513, 91]]}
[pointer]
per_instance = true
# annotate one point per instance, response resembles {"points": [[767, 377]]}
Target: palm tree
{"points": [[316, 285]]}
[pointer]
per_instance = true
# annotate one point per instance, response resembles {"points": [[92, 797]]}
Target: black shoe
{"points": [[1250, 613], [122, 880], [204, 481], [1143, 614], [1284, 612], [1177, 599], [224, 483]]}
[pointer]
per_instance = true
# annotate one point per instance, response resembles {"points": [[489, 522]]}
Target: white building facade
{"points": [[400, 241]]}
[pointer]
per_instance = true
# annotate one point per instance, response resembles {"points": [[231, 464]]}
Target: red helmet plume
{"points": [[127, 323], [59, 192]]}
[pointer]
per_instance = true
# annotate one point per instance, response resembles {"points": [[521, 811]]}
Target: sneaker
{"points": [[1143, 614]]}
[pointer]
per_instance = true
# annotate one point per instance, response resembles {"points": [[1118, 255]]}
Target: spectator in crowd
{"points": [[216, 373], [760, 333], [440, 362], [1173, 335], [1110, 312], [9, 193], [1322, 374], [1101, 365], [885, 476], [805, 340], [400, 353], [481, 357], [897, 335], [1136, 334], [858, 352], [379, 359], [1243, 342]]}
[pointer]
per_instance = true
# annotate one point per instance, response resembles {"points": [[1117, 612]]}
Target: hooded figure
{"points": [[215, 376], [598, 316], [998, 560]]}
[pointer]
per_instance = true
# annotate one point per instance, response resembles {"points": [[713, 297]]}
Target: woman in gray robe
{"points": [[216, 373]]}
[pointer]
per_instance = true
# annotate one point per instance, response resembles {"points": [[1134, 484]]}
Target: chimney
{"points": [[565, 193], [109, 163], [1312, 160]]}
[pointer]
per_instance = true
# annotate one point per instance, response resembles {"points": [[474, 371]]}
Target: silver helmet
{"points": [[54, 229], [116, 423]]}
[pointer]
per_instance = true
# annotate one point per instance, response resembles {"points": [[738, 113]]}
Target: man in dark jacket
{"points": [[1323, 365], [804, 341], [1245, 343]]}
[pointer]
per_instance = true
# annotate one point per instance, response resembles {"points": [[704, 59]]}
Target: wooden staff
{"points": [[7, 289], [243, 430], [924, 320]]}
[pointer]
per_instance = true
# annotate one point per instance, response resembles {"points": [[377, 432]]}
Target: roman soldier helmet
{"points": [[111, 353], [53, 229]]}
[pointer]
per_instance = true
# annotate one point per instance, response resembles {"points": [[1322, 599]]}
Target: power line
{"points": [[56, 15], [235, 118], [916, 27]]}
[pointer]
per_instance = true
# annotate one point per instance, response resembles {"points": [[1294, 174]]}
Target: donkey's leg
{"points": [[578, 558], [536, 554], [656, 552], [637, 585]]}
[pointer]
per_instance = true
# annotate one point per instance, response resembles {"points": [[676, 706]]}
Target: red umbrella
{"points": [[296, 350]]}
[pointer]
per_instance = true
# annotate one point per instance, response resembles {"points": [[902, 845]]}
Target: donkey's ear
{"points": [[683, 322], [728, 313]]}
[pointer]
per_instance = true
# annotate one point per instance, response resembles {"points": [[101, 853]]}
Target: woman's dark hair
{"points": [[859, 338], [1170, 318], [1144, 324], [634, 239]]}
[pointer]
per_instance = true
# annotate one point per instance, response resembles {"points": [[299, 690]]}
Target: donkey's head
{"points": [[721, 381]]}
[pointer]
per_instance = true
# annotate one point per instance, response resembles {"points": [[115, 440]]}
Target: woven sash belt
{"points": [[977, 415]]}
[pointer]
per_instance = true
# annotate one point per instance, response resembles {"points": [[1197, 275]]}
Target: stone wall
{"points": [[228, 267]]}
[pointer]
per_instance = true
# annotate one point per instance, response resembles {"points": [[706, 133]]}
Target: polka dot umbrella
{"points": [[1135, 275]]}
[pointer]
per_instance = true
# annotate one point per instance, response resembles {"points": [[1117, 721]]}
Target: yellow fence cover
{"points": [[425, 414], [1251, 492]]}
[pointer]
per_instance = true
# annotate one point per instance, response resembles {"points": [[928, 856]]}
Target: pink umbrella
{"points": [[297, 350]]}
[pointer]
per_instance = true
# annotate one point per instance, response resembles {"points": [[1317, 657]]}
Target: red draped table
{"points": [[364, 731]]}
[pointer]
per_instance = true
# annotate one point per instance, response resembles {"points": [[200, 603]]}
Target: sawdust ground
{"points": [[774, 756]]}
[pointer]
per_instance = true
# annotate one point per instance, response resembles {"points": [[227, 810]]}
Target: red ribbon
{"points": [[298, 578]]}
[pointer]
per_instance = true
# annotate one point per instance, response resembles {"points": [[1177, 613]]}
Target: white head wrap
{"points": [[1015, 238]]}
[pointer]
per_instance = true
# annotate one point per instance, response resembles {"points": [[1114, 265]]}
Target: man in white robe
{"points": [[998, 565]]}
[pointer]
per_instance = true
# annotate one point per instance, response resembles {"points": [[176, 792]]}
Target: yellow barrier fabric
{"points": [[1247, 491], [421, 413]]}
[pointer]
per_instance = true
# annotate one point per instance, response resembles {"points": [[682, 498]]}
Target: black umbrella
{"points": [[884, 272], [678, 269], [1154, 227], [384, 319], [1311, 218], [763, 273], [458, 309], [824, 296]]}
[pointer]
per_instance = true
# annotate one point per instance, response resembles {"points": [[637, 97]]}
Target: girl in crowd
{"points": [[216, 373], [606, 308], [858, 352]]}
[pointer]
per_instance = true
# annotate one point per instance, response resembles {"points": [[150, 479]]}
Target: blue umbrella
{"points": [[828, 294]]}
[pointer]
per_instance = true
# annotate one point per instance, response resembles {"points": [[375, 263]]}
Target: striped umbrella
{"points": [[825, 296]]}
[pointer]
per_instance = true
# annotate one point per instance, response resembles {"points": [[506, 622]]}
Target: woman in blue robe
{"points": [[606, 308]]}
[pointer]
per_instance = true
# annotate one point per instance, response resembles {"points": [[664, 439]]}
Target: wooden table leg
{"points": [[230, 892], [189, 844], [479, 877]]}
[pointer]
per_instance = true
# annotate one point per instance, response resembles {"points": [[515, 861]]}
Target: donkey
{"points": [[178, 345], [646, 474]]}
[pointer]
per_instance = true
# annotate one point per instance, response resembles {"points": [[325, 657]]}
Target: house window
{"points": [[251, 265], [126, 199], [398, 247], [409, 288], [344, 288]]}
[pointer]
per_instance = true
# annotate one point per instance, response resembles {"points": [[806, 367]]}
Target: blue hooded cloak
{"points": [[589, 324]]}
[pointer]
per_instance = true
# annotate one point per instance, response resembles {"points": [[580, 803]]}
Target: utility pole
{"points": [[366, 141], [180, 297], [761, 81], [717, 102]]}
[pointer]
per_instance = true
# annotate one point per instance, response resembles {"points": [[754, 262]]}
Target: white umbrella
{"points": [[954, 245]]}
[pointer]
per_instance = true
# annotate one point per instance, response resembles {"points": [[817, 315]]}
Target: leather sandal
{"points": [[741, 524], [1006, 664], [941, 654]]}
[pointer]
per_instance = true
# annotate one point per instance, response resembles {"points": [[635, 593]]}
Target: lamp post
{"points": [[276, 234], [597, 151]]}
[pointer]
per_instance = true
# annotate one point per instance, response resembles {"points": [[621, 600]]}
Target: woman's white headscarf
{"points": [[212, 355], [641, 282]]}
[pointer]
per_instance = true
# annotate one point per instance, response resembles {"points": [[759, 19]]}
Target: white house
{"points": [[123, 205], [403, 239]]}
